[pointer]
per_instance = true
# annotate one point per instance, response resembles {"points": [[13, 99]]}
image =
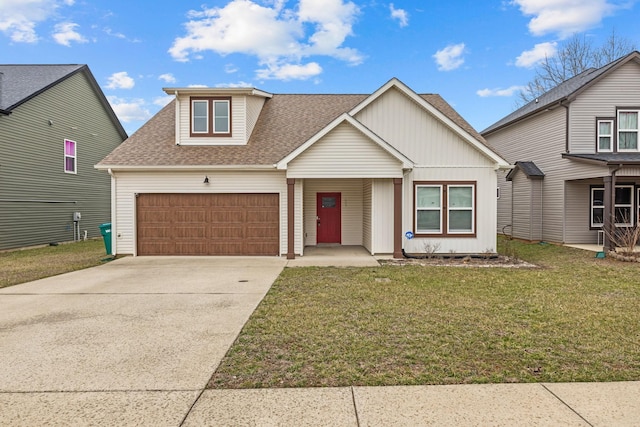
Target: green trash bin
{"points": [[105, 230]]}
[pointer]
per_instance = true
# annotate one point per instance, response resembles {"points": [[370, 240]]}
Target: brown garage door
{"points": [[208, 224]]}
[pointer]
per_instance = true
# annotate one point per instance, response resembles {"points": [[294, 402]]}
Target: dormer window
{"points": [[210, 116]]}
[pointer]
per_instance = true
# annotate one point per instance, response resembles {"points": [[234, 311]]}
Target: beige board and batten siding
{"points": [[485, 239], [367, 205], [37, 198], [130, 183], [239, 131], [382, 216], [344, 153], [351, 191], [548, 131], [620, 88], [416, 133]]}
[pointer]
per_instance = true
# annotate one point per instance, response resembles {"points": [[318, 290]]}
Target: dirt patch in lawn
{"points": [[462, 261]]}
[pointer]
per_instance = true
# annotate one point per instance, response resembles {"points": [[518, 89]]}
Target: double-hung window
{"points": [[211, 116], [605, 135], [70, 157], [627, 130], [445, 209], [623, 206]]}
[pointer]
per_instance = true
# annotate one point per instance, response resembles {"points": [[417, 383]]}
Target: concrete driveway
{"points": [[130, 342]]}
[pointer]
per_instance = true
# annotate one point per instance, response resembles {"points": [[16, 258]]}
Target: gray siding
{"points": [[540, 139], [621, 88], [527, 202], [37, 198]]}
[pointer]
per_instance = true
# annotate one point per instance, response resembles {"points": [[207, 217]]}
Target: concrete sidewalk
{"points": [[566, 404]]}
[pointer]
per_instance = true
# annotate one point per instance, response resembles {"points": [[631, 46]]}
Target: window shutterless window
{"points": [[623, 206], [211, 116], [627, 130], [444, 209], [605, 135], [70, 157]]}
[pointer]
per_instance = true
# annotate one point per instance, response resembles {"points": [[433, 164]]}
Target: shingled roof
{"points": [[285, 123], [565, 91], [21, 82]]}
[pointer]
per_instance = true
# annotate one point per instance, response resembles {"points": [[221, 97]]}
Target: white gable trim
{"points": [[395, 83], [406, 162]]}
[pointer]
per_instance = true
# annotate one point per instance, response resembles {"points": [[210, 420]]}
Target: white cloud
{"points": [[290, 71], [450, 57], [540, 51], [129, 110], [400, 14], [65, 33], [564, 17], [230, 69], [484, 93], [167, 78], [120, 80], [19, 18], [275, 35], [163, 100], [238, 84]]}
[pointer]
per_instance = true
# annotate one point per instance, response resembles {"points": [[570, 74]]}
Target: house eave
{"points": [[173, 168], [217, 90]]}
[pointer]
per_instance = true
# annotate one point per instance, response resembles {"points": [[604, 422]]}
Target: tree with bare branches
{"points": [[574, 56]]}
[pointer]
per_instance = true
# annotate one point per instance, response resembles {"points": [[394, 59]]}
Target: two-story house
{"points": [[240, 171], [55, 125], [576, 156]]}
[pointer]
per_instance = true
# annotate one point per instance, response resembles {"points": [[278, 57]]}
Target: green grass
{"points": [[576, 318], [22, 266]]}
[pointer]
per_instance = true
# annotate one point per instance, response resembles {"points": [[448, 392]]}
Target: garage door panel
{"points": [[208, 224]]}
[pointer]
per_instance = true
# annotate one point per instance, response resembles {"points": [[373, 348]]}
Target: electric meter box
{"points": [[77, 216]]}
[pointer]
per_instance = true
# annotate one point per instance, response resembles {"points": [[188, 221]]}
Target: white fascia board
{"points": [[345, 117], [394, 82], [216, 91]]}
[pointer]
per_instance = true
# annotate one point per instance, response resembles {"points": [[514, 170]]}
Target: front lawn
{"points": [[575, 318], [22, 266]]}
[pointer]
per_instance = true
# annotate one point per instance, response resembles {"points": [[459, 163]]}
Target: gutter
{"points": [[181, 167]]}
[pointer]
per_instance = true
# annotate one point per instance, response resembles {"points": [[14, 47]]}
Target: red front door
{"points": [[329, 218]]}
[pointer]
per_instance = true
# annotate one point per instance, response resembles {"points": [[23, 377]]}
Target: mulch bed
{"points": [[461, 261]]}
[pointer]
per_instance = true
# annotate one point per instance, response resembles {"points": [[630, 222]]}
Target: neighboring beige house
{"points": [[571, 148], [239, 171]]}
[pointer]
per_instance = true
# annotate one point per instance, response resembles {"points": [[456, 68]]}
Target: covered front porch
{"points": [[347, 212]]}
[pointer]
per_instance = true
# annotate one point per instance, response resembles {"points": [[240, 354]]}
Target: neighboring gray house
{"points": [[239, 171], [55, 125], [576, 156]]}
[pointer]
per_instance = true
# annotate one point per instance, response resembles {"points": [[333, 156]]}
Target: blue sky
{"points": [[476, 54]]}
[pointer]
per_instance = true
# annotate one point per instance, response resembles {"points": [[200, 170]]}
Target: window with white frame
{"points": [[211, 116], [624, 203], [446, 209], [627, 130], [605, 135], [70, 157]]}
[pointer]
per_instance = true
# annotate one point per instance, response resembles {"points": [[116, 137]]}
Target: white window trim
{"points": [[600, 135], [472, 209], [221, 101], [630, 205], [439, 208], [619, 130], [193, 116], [68, 156], [593, 190]]}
